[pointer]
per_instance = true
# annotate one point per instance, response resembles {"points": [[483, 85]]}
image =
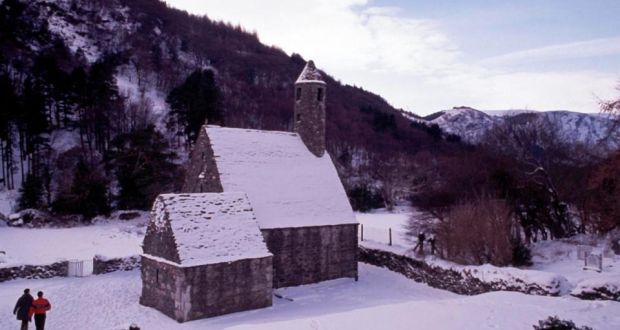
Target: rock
{"points": [[30, 218], [600, 288], [128, 215]]}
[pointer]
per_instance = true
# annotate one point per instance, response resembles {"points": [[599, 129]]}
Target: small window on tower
{"points": [[319, 95], [298, 117], [298, 94]]}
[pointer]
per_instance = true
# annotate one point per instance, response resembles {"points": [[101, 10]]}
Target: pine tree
{"points": [[194, 102], [9, 99], [88, 195], [143, 166], [31, 193]]}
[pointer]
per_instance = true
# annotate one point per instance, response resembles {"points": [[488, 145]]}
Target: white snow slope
{"points": [[571, 127]]}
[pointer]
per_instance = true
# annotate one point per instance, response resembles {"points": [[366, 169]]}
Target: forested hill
{"points": [[92, 86]]}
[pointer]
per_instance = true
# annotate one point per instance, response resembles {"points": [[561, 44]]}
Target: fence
{"points": [[593, 261], [583, 251], [387, 236], [80, 268]]}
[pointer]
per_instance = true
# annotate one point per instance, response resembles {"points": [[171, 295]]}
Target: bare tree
{"points": [[612, 108], [478, 231], [393, 174], [538, 152]]}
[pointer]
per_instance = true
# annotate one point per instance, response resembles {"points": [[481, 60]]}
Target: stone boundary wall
{"points": [[442, 278], [101, 265], [34, 271], [598, 293]]}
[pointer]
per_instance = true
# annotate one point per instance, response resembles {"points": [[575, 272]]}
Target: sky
{"points": [[424, 56]]}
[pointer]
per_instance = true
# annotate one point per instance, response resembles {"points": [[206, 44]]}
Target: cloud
{"points": [[411, 61], [573, 50]]}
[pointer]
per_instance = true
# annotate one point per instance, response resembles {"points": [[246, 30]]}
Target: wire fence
{"points": [[388, 236]]}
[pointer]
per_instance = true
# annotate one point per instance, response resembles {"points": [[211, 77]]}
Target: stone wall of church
{"points": [[159, 286], [306, 255], [159, 242], [201, 173], [190, 293]]}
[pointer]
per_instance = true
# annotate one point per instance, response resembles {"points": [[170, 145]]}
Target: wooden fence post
{"points": [[362, 231], [390, 231]]}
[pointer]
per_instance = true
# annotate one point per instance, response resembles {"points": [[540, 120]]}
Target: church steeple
{"points": [[309, 113]]}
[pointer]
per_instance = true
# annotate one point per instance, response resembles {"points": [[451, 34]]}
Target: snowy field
{"points": [[380, 300], [43, 246], [554, 257]]}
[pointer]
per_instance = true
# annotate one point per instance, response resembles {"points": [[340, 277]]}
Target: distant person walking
{"points": [[431, 240], [420, 245], [39, 307], [22, 309]]}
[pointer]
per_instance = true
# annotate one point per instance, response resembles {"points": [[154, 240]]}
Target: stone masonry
{"points": [[202, 174], [189, 293], [304, 255], [309, 113]]}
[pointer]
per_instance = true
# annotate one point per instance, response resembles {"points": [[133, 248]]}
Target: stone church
{"points": [[241, 182]]}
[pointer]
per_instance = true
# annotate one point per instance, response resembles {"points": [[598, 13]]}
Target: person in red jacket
{"points": [[39, 307]]}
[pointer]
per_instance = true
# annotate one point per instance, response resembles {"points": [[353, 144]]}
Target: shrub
{"points": [[477, 232], [554, 323], [521, 254]]}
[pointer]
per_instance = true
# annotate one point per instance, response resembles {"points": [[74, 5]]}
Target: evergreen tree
{"points": [[100, 102], [143, 166], [10, 101], [33, 123], [194, 102], [31, 193], [88, 195]]}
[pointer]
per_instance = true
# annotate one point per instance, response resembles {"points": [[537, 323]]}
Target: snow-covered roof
{"points": [[287, 185], [310, 74], [210, 227]]}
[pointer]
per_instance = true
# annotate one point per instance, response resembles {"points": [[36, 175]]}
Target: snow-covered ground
{"points": [[552, 260], [561, 257], [43, 246], [376, 225], [380, 300], [7, 201]]}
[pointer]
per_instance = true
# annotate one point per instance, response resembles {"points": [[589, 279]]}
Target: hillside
{"points": [[137, 52], [590, 130]]}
